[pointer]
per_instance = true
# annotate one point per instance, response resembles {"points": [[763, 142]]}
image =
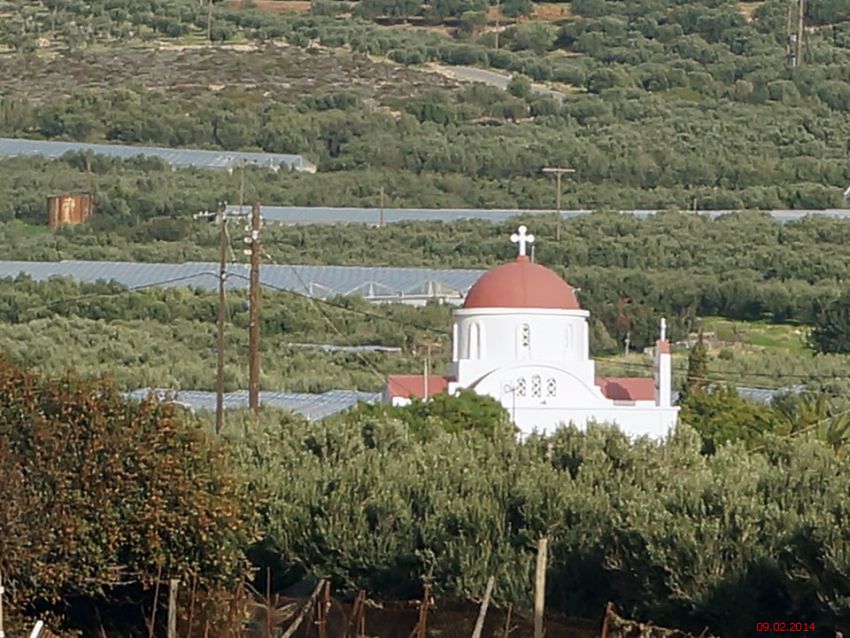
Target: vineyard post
{"points": [[540, 587]]}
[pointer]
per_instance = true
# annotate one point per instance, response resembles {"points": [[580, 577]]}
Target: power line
{"points": [[714, 377], [356, 311], [125, 289]]}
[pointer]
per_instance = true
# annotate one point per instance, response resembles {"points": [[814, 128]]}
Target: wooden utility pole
{"points": [[428, 346], [789, 15], [173, 585], [558, 171], [540, 587], [801, 12], [254, 320], [223, 245], [222, 319], [209, 20], [496, 32]]}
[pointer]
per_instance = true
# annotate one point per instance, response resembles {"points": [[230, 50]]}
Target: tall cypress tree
{"points": [[697, 369]]}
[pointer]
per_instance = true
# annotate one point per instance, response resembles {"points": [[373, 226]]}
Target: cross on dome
{"points": [[521, 238]]}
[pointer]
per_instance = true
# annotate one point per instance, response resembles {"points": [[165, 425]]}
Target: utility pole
{"points": [[223, 244], [241, 185], [789, 37], [381, 224], [558, 171], [209, 20], [428, 346], [254, 321], [498, 11], [801, 12], [222, 318]]}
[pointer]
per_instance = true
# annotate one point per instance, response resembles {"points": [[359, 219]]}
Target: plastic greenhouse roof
{"points": [[217, 160], [374, 283], [314, 407], [330, 215]]}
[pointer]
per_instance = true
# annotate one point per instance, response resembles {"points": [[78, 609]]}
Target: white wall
{"points": [[488, 338]]}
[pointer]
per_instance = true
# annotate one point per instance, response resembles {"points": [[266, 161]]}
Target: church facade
{"points": [[522, 338]]}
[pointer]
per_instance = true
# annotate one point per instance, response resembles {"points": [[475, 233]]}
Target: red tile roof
{"points": [[521, 284], [627, 388], [413, 385]]}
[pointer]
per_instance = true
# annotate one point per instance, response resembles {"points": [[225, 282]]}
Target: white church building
{"points": [[522, 338]]}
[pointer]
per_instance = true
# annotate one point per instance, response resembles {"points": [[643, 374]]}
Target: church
{"points": [[522, 338]]}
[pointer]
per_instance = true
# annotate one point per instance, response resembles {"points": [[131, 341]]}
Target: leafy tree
{"points": [[697, 379], [720, 415], [464, 411], [831, 332], [516, 8], [101, 493], [519, 86]]}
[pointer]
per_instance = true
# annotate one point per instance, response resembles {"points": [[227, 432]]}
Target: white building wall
{"points": [[636, 420], [536, 363], [489, 338]]}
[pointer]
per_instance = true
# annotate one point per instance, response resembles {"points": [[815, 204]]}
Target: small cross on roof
{"points": [[521, 238]]}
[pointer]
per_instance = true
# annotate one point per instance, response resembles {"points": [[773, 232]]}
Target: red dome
{"points": [[521, 284]]}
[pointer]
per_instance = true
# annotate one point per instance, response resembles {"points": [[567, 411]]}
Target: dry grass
{"points": [[276, 6], [549, 11], [747, 9], [552, 11], [283, 74]]}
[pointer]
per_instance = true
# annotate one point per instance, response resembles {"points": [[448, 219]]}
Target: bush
{"points": [[519, 86], [140, 490]]}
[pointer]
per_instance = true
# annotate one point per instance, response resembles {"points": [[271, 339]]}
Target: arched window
{"points": [[476, 341], [536, 386], [521, 387], [551, 387], [473, 341]]}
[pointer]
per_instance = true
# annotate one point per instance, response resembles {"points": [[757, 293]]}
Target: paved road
{"points": [[493, 78]]}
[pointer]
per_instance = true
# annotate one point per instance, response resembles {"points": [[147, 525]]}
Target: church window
{"points": [[521, 387], [536, 386], [551, 387], [475, 341]]}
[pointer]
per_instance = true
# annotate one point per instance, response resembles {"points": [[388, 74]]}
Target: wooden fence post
{"points": [[479, 624], [358, 616], [307, 607], [540, 587], [322, 608], [609, 608], [173, 585], [155, 602], [422, 624]]}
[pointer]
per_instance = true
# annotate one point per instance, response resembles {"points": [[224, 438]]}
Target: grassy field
{"points": [[757, 354], [756, 336]]}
